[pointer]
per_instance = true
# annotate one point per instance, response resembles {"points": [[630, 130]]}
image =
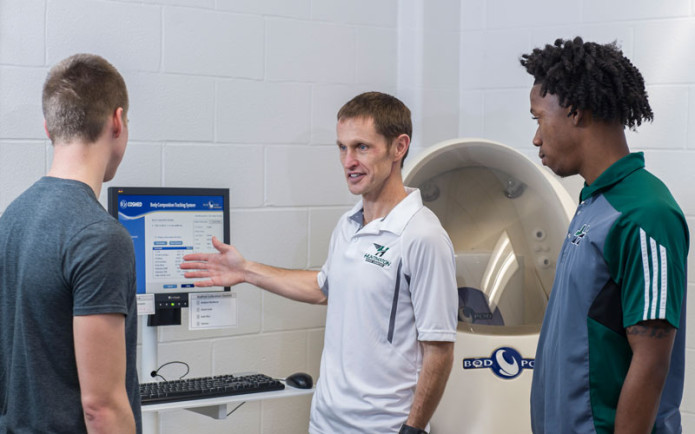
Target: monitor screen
{"points": [[166, 224]]}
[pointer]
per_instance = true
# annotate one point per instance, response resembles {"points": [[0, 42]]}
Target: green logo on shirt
{"points": [[580, 234], [380, 250], [377, 257]]}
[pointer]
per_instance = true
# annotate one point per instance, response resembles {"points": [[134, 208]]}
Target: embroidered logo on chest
{"points": [[580, 234], [377, 258]]}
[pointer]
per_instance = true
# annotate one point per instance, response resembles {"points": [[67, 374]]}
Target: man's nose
{"points": [[349, 159], [537, 138]]}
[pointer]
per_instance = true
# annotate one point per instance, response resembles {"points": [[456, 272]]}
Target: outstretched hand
{"points": [[225, 268]]}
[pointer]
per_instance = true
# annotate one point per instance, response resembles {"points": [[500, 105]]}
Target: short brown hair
{"points": [[391, 117], [79, 95]]}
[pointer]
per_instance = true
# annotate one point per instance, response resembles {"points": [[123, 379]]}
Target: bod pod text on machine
{"points": [[506, 217]]}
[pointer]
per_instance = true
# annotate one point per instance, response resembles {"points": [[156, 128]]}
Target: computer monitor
{"points": [[165, 224]]}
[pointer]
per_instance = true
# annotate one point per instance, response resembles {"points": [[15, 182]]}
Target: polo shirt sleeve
{"points": [[432, 268], [99, 266], [646, 255], [322, 277]]}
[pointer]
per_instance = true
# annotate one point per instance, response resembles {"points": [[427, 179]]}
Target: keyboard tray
{"points": [[206, 387]]}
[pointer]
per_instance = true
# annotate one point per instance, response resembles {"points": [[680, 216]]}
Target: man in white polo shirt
{"points": [[389, 282]]}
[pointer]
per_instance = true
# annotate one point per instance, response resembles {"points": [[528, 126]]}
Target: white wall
{"points": [[238, 94], [243, 94]]}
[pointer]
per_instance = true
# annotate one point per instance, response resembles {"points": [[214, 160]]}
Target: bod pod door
{"points": [[507, 218]]}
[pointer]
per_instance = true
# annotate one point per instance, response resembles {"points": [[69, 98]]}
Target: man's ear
{"points": [[117, 122], [45, 128], [579, 117], [400, 146]]}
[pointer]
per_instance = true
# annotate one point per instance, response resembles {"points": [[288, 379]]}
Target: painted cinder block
{"points": [[274, 8], [262, 112], [440, 60], [471, 119], [305, 176], [675, 170], [376, 56], [237, 167], [167, 107], [21, 116], [623, 10], [662, 51], [276, 237], [508, 119], [322, 221], [381, 13], [247, 419], [440, 121], [126, 34], [668, 129], [280, 314], [193, 39], [308, 51], [22, 24], [275, 354], [141, 167], [511, 13], [21, 164]]}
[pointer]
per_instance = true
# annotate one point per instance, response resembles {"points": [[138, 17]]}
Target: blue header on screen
{"points": [[136, 205]]}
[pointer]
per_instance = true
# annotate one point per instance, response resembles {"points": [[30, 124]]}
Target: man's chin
{"points": [[355, 191]]}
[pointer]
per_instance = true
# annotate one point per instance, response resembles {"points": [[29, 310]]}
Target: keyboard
{"points": [[206, 387]]}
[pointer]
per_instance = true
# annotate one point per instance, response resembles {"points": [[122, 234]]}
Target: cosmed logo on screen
{"points": [[129, 204], [505, 362]]}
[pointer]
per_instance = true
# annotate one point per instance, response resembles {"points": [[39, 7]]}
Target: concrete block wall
{"points": [[243, 94], [494, 96], [223, 93]]}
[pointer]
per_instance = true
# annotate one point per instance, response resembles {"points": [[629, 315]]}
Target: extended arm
{"points": [[228, 268], [651, 343], [101, 366], [438, 358]]}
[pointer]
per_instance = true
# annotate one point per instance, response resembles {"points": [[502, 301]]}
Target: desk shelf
{"points": [[217, 408]]}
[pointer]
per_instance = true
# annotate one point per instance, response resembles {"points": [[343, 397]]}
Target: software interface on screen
{"points": [[166, 224]]}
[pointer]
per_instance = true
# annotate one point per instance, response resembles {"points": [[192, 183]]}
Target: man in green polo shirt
{"points": [[610, 356]]}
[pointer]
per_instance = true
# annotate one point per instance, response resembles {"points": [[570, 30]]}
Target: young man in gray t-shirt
{"points": [[68, 320]]}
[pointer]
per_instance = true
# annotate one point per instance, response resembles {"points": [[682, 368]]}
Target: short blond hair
{"points": [[79, 95]]}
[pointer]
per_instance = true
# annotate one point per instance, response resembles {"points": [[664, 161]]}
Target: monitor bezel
{"points": [[162, 299]]}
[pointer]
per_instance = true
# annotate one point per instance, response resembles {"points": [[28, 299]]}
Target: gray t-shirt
{"points": [[61, 255]]}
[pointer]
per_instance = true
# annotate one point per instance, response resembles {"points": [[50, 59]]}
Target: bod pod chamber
{"points": [[507, 218]]}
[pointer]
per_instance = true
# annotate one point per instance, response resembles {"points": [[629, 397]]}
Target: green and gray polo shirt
{"points": [[623, 261]]}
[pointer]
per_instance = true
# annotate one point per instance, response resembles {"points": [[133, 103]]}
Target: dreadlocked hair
{"points": [[586, 75]]}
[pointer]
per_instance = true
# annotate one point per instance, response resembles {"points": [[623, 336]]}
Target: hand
{"points": [[225, 268]]}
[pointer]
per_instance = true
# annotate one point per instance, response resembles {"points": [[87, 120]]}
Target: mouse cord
{"points": [[155, 373]]}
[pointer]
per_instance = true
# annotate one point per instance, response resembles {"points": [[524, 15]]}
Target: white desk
{"points": [[216, 408]]}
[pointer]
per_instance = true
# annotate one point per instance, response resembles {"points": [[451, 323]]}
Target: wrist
{"points": [[407, 429], [249, 272]]}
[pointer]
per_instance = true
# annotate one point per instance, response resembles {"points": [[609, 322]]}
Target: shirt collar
{"points": [[396, 220], [614, 174]]}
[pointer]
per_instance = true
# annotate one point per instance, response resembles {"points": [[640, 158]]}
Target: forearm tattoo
{"points": [[651, 329]]}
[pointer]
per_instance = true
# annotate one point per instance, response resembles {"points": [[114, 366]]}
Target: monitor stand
{"points": [[148, 363]]}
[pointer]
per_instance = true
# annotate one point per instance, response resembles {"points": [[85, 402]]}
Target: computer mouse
{"points": [[300, 380]]}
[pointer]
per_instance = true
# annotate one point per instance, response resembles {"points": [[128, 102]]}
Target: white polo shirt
{"points": [[389, 284]]}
